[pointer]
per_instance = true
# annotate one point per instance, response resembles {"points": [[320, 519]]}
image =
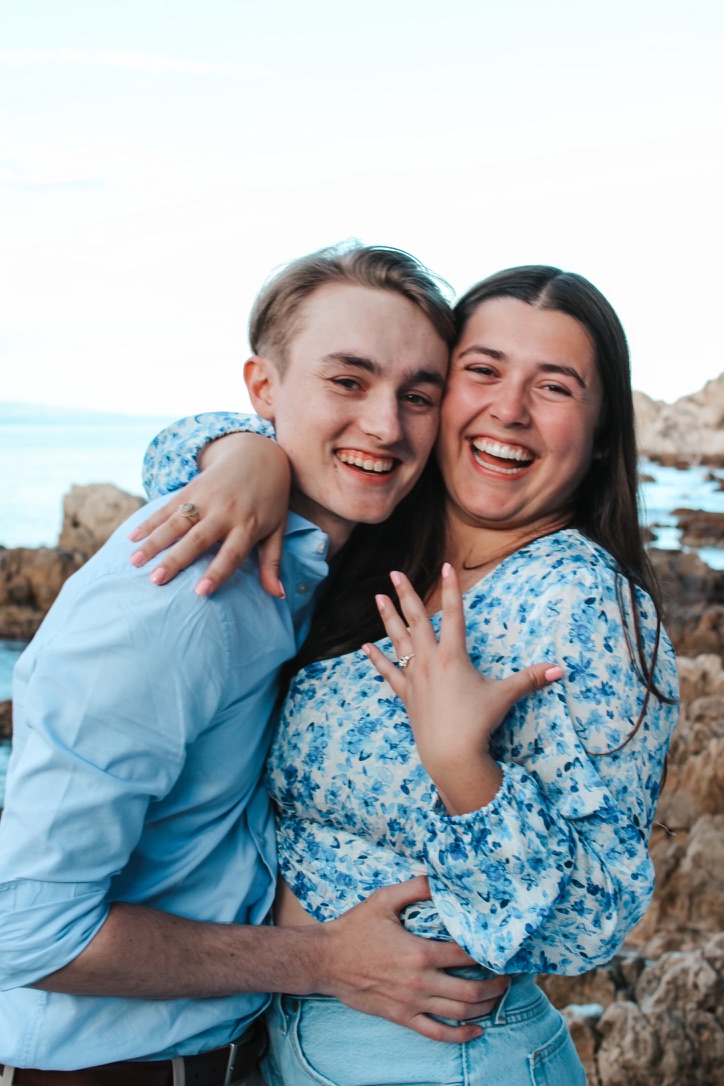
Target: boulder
{"points": [[654, 1015], [695, 770], [31, 578], [672, 1032], [693, 595], [689, 431], [699, 528], [6, 719], [92, 513]]}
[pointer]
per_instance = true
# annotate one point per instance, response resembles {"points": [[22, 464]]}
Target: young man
{"points": [[137, 844]]}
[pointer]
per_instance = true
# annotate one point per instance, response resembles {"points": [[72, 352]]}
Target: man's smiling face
{"points": [[357, 404]]}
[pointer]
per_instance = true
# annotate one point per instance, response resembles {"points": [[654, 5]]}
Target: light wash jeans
{"points": [[317, 1040]]}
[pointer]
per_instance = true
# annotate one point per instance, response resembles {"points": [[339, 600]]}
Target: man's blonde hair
{"points": [[278, 310]]}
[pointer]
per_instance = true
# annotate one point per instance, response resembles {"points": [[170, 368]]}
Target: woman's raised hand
{"points": [[453, 709], [242, 499]]}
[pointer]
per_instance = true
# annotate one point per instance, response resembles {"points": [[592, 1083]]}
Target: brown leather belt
{"points": [[226, 1064]]}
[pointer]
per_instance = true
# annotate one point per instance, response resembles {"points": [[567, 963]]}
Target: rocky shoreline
{"points": [[689, 431], [655, 1014], [31, 578]]}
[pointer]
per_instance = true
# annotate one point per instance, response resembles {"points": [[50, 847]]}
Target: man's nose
{"points": [[382, 419]]}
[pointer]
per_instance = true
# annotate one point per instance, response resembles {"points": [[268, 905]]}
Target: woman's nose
{"points": [[510, 405]]}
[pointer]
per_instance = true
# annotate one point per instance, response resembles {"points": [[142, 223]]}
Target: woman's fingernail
{"points": [[396, 578], [158, 576], [381, 603], [553, 673], [446, 570], [366, 649], [205, 587], [135, 535], [282, 593], [137, 559]]}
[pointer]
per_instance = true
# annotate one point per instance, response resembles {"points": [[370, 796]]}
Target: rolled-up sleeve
{"points": [[102, 719]]}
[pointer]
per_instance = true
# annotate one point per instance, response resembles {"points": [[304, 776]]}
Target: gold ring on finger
{"points": [[190, 512], [404, 661]]}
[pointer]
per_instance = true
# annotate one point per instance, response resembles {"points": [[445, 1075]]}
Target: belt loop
{"points": [[500, 1016], [8, 1076], [233, 1049], [179, 1071]]}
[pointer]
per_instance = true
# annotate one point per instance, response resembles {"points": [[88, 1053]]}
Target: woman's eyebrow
{"points": [[545, 367], [567, 371], [489, 352]]}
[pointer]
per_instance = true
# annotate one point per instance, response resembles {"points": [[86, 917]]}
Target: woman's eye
{"points": [[557, 390], [481, 370]]}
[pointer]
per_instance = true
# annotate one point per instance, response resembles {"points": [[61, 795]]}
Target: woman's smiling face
{"points": [[519, 417]]}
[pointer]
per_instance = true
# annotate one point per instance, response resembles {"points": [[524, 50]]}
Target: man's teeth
{"points": [[502, 452], [357, 460]]}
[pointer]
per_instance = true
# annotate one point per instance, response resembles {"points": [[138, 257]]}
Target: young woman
{"points": [[533, 834]]}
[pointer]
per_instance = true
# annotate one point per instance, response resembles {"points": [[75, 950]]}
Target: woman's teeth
{"points": [[358, 460], [521, 457]]}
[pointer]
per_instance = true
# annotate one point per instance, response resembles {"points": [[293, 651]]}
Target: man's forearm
{"points": [[365, 958], [141, 953]]}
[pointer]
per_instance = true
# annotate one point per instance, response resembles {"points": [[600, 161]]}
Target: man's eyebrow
{"points": [[544, 367], [356, 361], [361, 362]]}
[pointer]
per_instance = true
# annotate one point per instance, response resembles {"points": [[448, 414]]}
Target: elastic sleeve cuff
{"points": [[171, 458]]}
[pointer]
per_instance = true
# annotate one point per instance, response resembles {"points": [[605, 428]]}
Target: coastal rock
{"points": [[663, 1025], [6, 719], [689, 431], [92, 513], [695, 771], [673, 1031], [31, 578], [688, 902], [693, 596], [654, 1014], [699, 528]]}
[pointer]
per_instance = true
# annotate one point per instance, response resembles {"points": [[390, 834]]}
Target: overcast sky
{"points": [[160, 157]]}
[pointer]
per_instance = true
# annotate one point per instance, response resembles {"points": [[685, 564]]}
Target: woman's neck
{"points": [[474, 552]]}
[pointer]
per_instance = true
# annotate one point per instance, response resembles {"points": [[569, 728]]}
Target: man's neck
{"points": [[337, 529]]}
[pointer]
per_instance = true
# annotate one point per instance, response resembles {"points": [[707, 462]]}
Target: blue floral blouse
{"points": [[552, 874]]}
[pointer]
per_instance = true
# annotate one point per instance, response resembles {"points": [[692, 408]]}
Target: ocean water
{"points": [[44, 451]]}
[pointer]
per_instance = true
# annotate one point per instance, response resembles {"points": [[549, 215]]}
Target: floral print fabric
{"points": [[554, 872]]}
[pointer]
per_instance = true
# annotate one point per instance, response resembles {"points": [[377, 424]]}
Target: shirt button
{"points": [[321, 548], [302, 587]]}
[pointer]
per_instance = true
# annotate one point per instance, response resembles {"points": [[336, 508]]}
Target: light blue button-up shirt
{"points": [[142, 720]]}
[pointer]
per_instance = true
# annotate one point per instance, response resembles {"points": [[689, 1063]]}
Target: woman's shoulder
{"points": [[562, 557]]}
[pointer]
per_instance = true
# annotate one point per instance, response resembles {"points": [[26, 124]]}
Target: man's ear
{"points": [[262, 378]]}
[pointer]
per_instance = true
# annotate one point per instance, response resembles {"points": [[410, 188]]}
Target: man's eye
{"points": [[417, 399], [350, 383]]}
